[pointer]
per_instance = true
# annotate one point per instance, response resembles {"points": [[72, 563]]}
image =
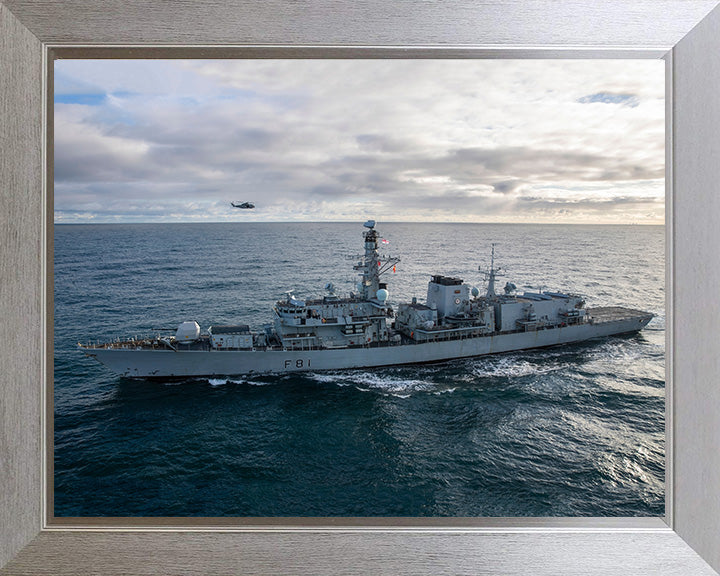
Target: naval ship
{"points": [[363, 330]]}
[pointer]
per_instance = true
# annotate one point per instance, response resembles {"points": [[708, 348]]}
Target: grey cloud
{"points": [[381, 143], [268, 166], [507, 186], [472, 165], [589, 203], [312, 134], [472, 174], [169, 156], [504, 171], [87, 163]]}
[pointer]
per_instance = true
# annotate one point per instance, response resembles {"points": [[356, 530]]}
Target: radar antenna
{"points": [[492, 273], [372, 264]]}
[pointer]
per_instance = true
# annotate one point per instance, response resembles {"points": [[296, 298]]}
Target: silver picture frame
{"points": [[686, 33]]}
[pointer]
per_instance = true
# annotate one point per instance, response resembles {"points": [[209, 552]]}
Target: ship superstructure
{"points": [[361, 319], [363, 330]]}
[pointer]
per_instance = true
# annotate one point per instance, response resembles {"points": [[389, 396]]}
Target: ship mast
{"points": [[372, 264], [492, 273]]}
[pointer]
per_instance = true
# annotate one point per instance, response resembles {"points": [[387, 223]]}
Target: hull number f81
{"points": [[299, 363]]}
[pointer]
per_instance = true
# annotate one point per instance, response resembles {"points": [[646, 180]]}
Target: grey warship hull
{"points": [[133, 360]]}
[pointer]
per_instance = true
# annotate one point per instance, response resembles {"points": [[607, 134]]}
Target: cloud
{"points": [[507, 186], [448, 139], [541, 166]]}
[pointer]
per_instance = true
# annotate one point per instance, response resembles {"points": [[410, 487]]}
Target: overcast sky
{"points": [[416, 140]]}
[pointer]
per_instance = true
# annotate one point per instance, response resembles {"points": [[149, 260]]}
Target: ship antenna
{"points": [[372, 265], [492, 273]]}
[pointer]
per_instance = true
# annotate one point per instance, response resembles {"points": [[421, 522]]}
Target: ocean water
{"points": [[566, 431]]}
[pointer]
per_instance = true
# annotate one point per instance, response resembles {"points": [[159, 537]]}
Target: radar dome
{"points": [[475, 292], [382, 294]]}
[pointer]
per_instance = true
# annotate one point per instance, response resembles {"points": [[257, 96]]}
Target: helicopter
{"points": [[243, 205]]}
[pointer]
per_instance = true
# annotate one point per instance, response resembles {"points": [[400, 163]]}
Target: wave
{"points": [[380, 382], [513, 367], [224, 381]]}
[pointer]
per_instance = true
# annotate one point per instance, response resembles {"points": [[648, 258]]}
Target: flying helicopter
{"points": [[243, 205]]}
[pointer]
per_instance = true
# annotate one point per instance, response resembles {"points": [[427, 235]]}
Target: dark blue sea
{"points": [[568, 431]]}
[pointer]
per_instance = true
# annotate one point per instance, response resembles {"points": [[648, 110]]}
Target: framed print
{"points": [[685, 541]]}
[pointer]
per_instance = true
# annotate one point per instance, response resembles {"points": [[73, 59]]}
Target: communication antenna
{"points": [[491, 274], [372, 265]]}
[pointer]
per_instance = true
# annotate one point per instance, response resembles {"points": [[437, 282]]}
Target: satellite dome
{"points": [[382, 294], [475, 292]]}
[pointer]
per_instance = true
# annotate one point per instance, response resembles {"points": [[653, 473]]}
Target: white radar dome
{"points": [[475, 292], [382, 294]]}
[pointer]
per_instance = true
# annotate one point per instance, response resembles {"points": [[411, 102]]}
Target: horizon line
{"points": [[82, 223]]}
